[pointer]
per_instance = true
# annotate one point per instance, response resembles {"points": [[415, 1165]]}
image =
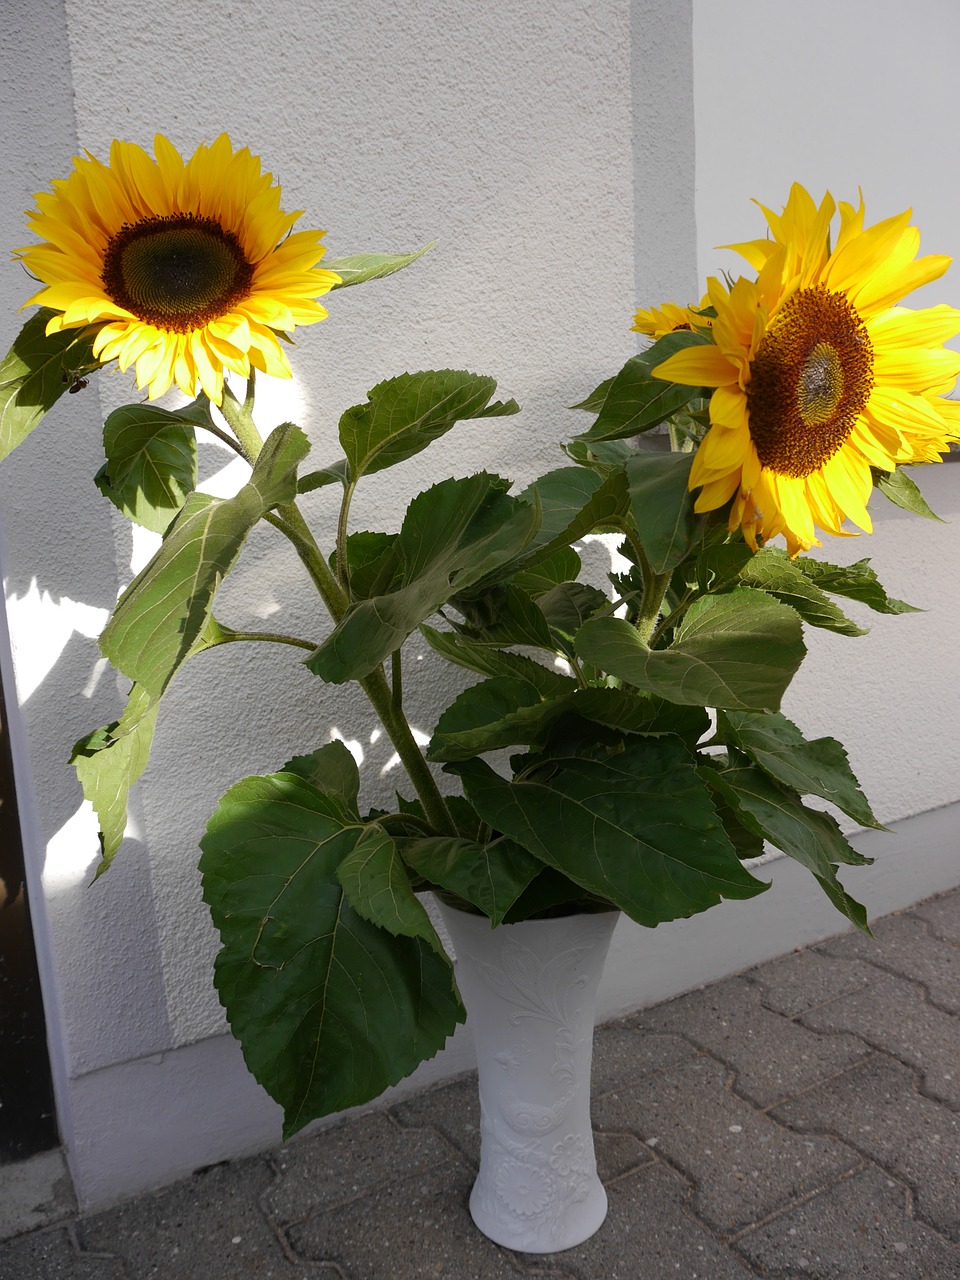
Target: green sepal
{"points": [[738, 650], [636, 828], [151, 464], [328, 1008], [36, 372]]}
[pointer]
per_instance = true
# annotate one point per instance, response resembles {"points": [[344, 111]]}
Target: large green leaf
{"points": [[773, 571], [360, 267], [662, 507], [904, 492], [819, 768], [333, 770], [35, 373], [151, 463], [567, 607], [371, 564], [329, 1009], [163, 611], [563, 565], [404, 415], [502, 615], [738, 650], [452, 535], [855, 581], [574, 501], [375, 880], [636, 401], [637, 828], [506, 711], [336, 473], [488, 661], [808, 836], [491, 876], [495, 713], [109, 761]]}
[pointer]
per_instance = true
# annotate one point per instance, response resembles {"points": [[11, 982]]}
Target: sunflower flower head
{"points": [[188, 268], [818, 375], [668, 318]]}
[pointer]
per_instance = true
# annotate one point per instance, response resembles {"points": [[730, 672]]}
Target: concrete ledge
{"points": [[147, 1122]]}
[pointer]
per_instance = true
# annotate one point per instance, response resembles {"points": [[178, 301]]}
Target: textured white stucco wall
{"points": [[514, 135], [551, 152]]}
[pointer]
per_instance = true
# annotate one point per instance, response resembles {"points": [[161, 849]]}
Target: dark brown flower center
{"points": [[177, 272], [812, 375]]}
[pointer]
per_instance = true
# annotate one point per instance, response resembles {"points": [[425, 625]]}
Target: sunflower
{"points": [[187, 268], [669, 317], [818, 375]]}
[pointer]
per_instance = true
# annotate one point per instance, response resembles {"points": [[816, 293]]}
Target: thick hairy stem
{"points": [[289, 520]]}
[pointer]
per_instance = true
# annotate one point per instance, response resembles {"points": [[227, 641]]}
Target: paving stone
{"points": [[619, 1154], [773, 1057], [875, 1107], [34, 1193], [943, 915], [340, 1164], [627, 1050], [650, 1234], [804, 979], [894, 1017], [453, 1110], [905, 945], [416, 1226], [208, 1225], [744, 1165], [859, 1227], [48, 1255]]}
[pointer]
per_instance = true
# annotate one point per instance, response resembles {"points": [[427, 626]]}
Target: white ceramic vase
{"points": [[530, 993]]}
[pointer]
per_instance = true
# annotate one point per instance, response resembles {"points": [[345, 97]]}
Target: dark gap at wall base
{"points": [[27, 1116]]}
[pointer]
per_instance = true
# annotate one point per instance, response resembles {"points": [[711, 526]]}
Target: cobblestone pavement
{"points": [[797, 1120]]}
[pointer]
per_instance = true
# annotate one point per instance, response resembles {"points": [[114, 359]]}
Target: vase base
{"points": [[580, 1221]]}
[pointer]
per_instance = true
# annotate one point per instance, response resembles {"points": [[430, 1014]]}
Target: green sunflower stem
{"points": [[289, 520], [239, 416], [654, 589]]}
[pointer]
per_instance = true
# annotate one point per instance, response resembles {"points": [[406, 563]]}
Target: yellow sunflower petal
{"points": [[834, 379], [113, 241], [703, 366]]}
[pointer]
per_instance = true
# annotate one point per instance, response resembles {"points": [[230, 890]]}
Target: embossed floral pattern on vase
{"points": [[530, 991]]}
